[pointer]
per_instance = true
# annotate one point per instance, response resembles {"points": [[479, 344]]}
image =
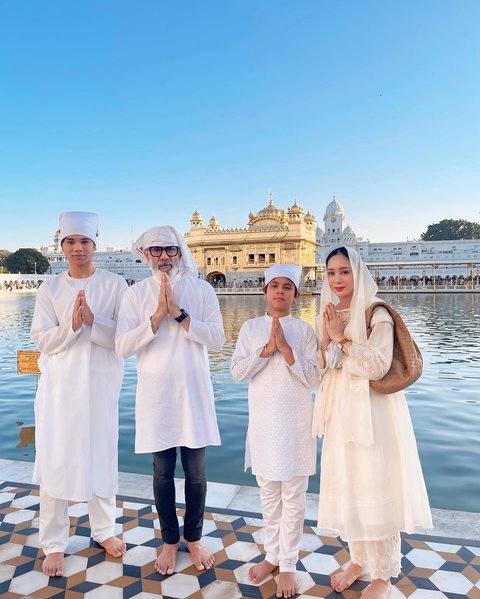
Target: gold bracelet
{"points": [[266, 351], [323, 348]]}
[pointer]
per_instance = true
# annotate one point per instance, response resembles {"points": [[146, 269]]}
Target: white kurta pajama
{"points": [[279, 446], [76, 406], [174, 400], [369, 492]]}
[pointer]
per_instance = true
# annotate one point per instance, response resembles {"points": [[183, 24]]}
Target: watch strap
{"points": [[182, 316]]}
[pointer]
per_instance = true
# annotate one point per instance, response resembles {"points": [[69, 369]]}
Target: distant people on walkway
{"points": [[76, 407], [169, 320], [276, 353], [371, 482]]}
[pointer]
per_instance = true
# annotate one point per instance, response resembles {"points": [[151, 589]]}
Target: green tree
{"points": [[3, 256], [27, 261], [452, 229]]}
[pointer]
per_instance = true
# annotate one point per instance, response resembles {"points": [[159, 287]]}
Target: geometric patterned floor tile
{"points": [[432, 567]]}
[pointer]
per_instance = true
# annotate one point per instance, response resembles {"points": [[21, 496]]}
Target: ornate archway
{"points": [[216, 278]]}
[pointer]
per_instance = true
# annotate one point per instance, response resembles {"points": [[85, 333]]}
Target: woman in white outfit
{"points": [[371, 483]]}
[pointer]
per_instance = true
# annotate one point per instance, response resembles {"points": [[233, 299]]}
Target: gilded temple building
{"points": [[239, 257]]}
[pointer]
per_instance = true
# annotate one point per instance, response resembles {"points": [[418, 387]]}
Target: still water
{"points": [[444, 403]]}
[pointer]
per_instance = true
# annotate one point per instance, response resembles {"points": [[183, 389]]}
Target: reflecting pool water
{"points": [[444, 403]]}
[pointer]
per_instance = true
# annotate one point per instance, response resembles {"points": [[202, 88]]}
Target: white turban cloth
{"points": [[356, 390], [289, 271], [79, 223], [164, 236]]}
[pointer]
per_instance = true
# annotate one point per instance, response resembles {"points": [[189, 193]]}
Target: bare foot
{"points": [[259, 572], [377, 589], [53, 564], [345, 579], [202, 559], [113, 546], [165, 562], [287, 584]]}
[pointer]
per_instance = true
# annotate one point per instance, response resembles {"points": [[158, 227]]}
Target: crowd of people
{"points": [[20, 285], [86, 320]]}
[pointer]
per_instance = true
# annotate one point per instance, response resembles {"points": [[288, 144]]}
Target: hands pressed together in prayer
{"points": [[167, 305], [81, 312], [333, 327], [278, 342]]}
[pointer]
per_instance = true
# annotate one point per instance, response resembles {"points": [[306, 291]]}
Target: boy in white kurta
{"points": [[76, 407], [276, 353]]}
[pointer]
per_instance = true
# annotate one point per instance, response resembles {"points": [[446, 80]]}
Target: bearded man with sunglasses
{"points": [[170, 320]]}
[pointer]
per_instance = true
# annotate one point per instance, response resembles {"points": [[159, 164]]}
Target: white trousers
{"points": [[382, 558], [283, 507], [54, 523]]}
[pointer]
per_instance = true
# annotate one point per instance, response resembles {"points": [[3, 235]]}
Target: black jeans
{"points": [[193, 462]]}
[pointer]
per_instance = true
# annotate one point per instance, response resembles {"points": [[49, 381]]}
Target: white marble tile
{"points": [[320, 563], [242, 551], [10, 550], [130, 505], [221, 589], [395, 594], [77, 543], [241, 575], [246, 499], [28, 583], [427, 594], [104, 592], [422, 558], [304, 581], [180, 586], [213, 544], [33, 540], [259, 536], [310, 542], [4, 497], [77, 510], [184, 560], [224, 517], [138, 535], [140, 556], [208, 526], [451, 582], [74, 564], [220, 495], [254, 521], [443, 547], [104, 572], [144, 595], [25, 501], [474, 550], [6, 572], [18, 516]]}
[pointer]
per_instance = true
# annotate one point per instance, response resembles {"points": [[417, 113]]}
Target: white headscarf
{"points": [[355, 390], [289, 271], [79, 223], [164, 236]]}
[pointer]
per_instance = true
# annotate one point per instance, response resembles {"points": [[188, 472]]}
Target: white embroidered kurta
{"points": [[174, 400], [369, 492], [76, 407], [279, 443]]}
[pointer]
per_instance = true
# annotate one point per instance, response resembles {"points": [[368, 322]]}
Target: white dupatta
{"points": [[355, 390]]}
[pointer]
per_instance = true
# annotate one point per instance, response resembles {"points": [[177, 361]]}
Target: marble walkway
{"points": [[444, 562]]}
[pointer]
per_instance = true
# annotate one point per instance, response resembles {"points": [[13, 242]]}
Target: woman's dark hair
{"points": [[341, 250]]}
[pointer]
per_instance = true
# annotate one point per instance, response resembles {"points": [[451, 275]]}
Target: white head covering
{"points": [[79, 223], [356, 390], [289, 271], [164, 236]]}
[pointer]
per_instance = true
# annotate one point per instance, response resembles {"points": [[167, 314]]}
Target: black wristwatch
{"points": [[182, 316]]}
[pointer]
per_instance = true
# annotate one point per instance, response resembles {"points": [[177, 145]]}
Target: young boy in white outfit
{"points": [[277, 354], [76, 407]]}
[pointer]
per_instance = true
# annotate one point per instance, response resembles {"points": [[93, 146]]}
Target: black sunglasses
{"points": [[170, 250]]}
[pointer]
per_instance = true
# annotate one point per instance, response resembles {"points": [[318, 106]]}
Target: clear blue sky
{"points": [[145, 110]]}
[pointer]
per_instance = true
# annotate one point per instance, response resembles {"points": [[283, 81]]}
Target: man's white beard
{"points": [[157, 273]]}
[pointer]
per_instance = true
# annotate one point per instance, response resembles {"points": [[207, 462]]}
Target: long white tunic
{"points": [[279, 442], [76, 407], [174, 400], [370, 492]]}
